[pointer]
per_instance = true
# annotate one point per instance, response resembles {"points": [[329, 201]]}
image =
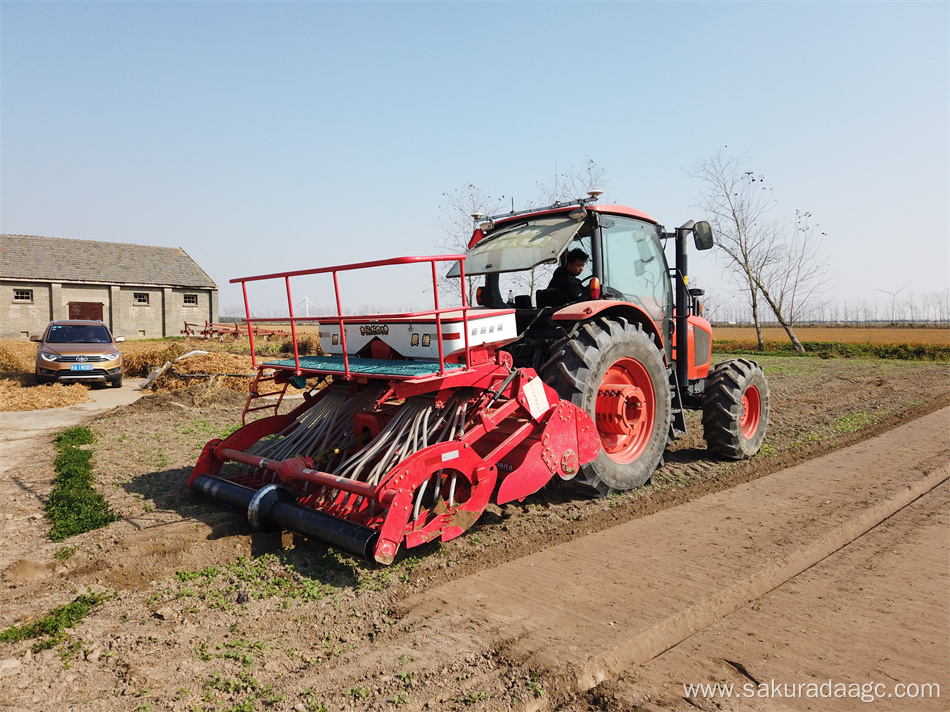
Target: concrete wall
{"points": [[165, 313], [19, 319], [177, 312], [135, 320]]}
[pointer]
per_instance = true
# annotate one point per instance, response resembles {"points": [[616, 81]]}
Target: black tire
{"points": [[42, 380], [117, 383], [577, 368], [736, 409]]}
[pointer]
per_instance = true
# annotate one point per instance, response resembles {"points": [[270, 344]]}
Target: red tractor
{"points": [[414, 422]]}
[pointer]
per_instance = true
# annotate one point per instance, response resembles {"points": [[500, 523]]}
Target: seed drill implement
{"points": [[412, 423]]}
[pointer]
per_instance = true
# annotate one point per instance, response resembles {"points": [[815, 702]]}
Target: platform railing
{"points": [[342, 320]]}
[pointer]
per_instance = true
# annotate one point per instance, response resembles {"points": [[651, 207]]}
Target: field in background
{"points": [[902, 343], [840, 334]]}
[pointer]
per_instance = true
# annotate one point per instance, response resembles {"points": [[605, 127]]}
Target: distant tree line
{"points": [[931, 308]]}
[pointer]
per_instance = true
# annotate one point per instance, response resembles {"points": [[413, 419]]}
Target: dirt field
{"points": [[194, 622]]}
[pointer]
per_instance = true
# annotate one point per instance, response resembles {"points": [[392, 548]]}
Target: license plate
{"points": [[81, 367]]}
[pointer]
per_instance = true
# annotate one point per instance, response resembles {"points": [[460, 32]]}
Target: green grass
{"points": [[75, 436], [74, 506], [53, 625]]}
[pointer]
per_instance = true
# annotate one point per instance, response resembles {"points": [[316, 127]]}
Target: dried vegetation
{"points": [[18, 390], [198, 380]]}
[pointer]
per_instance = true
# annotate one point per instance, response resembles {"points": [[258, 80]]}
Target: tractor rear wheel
{"points": [[614, 371], [735, 409]]}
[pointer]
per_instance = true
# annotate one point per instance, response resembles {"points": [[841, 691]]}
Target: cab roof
{"points": [[610, 209]]}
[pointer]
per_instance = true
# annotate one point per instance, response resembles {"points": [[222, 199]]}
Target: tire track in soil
{"points": [[551, 617], [851, 618]]}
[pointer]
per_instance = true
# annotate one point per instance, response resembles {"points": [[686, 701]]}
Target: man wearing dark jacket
{"points": [[565, 278]]}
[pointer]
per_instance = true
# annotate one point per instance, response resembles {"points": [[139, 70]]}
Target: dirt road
{"points": [[872, 615], [603, 605]]}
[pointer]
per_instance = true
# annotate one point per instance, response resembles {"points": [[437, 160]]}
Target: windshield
{"points": [[78, 334], [521, 246]]}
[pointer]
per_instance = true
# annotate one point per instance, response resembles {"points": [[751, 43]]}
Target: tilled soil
{"points": [[202, 615]]}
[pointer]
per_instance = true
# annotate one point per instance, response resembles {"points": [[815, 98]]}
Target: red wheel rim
{"points": [[625, 410], [751, 412]]}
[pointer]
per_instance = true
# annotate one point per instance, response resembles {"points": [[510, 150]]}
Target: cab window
{"points": [[634, 264]]}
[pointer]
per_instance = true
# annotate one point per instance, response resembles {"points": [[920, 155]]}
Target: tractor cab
{"points": [[626, 268]]}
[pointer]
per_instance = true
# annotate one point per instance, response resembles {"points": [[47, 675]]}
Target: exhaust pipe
{"points": [[275, 507]]}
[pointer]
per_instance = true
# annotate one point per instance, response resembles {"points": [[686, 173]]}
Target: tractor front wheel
{"points": [[735, 409], [614, 371]]}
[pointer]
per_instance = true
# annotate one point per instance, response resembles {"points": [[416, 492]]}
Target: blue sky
{"points": [[272, 136]]}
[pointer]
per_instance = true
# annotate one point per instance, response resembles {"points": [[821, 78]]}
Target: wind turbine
{"points": [[306, 302], [893, 297]]}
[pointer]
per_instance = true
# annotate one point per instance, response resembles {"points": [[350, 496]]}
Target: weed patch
{"points": [[75, 436], [851, 422], [52, 626], [74, 506], [267, 576]]}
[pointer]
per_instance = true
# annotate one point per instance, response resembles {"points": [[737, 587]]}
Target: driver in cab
{"points": [[565, 278]]}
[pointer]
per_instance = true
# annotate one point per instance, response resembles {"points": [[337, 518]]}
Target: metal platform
{"points": [[364, 366]]}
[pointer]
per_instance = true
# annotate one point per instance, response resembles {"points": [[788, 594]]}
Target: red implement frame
{"points": [[436, 311], [519, 438]]}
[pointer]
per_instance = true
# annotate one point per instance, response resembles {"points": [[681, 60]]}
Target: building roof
{"points": [[53, 259]]}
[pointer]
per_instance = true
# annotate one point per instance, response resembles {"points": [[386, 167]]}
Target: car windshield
{"points": [[521, 246], [78, 334]]}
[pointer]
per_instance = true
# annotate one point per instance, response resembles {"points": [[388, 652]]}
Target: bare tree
{"points": [[457, 223], [573, 183], [460, 205], [794, 275], [783, 265], [739, 208]]}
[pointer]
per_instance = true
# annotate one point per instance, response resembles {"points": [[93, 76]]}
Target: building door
{"points": [[85, 310]]}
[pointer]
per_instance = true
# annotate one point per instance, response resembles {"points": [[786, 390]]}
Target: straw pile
{"points": [[221, 370], [140, 357], [17, 392], [17, 356]]}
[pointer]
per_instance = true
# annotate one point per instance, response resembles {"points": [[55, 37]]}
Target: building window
{"points": [[191, 300], [23, 295], [140, 298]]}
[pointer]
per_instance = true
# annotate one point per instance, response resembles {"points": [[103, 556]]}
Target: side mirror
{"points": [[702, 235], [119, 339], [35, 337]]}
